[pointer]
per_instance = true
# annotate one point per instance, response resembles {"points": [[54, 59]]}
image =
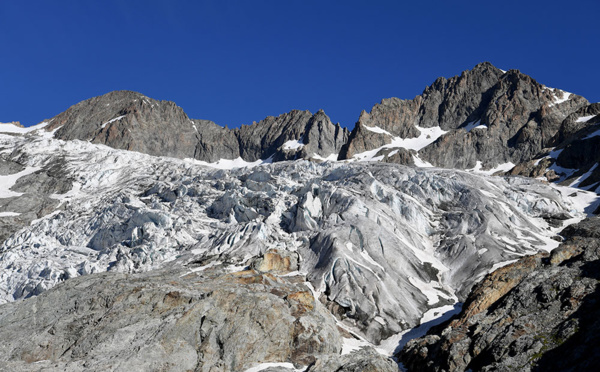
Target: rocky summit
{"points": [[131, 121], [134, 238]]}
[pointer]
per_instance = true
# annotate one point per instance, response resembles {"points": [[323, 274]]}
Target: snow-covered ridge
{"points": [[558, 100], [11, 128]]}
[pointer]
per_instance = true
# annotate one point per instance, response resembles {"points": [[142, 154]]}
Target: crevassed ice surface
{"points": [[382, 241]]}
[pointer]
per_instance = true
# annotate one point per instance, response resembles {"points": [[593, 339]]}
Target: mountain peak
{"points": [[525, 115]]}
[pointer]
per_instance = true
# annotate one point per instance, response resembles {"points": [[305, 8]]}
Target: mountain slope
{"points": [[575, 159], [485, 115], [484, 119], [382, 243], [538, 314], [215, 249]]}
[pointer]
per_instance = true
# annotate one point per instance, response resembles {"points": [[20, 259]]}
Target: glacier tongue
{"points": [[380, 243]]}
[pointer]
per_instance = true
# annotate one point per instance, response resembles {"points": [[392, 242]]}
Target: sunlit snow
{"points": [[11, 128], [377, 130], [293, 145], [112, 121], [427, 137], [6, 182], [584, 118], [332, 157]]}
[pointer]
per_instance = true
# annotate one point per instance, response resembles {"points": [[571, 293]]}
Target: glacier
{"points": [[381, 244]]}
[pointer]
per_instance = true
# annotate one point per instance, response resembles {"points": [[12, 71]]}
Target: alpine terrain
{"points": [[451, 232]]}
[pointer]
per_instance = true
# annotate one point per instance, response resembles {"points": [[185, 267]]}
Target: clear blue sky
{"points": [[236, 62]]}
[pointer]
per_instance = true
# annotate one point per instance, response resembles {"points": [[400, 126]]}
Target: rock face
{"points": [[579, 150], [295, 135], [488, 115], [131, 121], [574, 160], [364, 360], [538, 314], [30, 192], [485, 117], [168, 320]]}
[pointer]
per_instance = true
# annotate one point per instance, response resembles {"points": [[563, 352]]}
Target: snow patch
{"points": [[427, 137], [475, 125], [557, 100], [421, 163], [332, 157], [585, 118], [6, 182], [112, 121], [350, 345], [11, 128], [377, 130], [9, 214], [293, 145], [591, 135], [565, 172], [583, 177], [431, 318], [425, 288]]}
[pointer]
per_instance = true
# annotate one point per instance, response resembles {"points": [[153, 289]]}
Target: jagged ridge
{"points": [[486, 117]]}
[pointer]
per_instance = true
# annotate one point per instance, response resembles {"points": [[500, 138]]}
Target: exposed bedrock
{"points": [[537, 314]]}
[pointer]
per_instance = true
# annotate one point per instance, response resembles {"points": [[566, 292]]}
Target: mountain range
{"points": [[136, 238], [486, 118]]}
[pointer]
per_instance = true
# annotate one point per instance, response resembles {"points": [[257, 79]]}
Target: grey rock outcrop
{"points": [[519, 118], [538, 314], [364, 360], [446, 103], [309, 136], [322, 138], [33, 195], [571, 126], [579, 150], [8, 167], [169, 320], [131, 121], [575, 157]]}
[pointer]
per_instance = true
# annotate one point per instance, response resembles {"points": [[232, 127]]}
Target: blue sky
{"points": [[235, 62]]}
